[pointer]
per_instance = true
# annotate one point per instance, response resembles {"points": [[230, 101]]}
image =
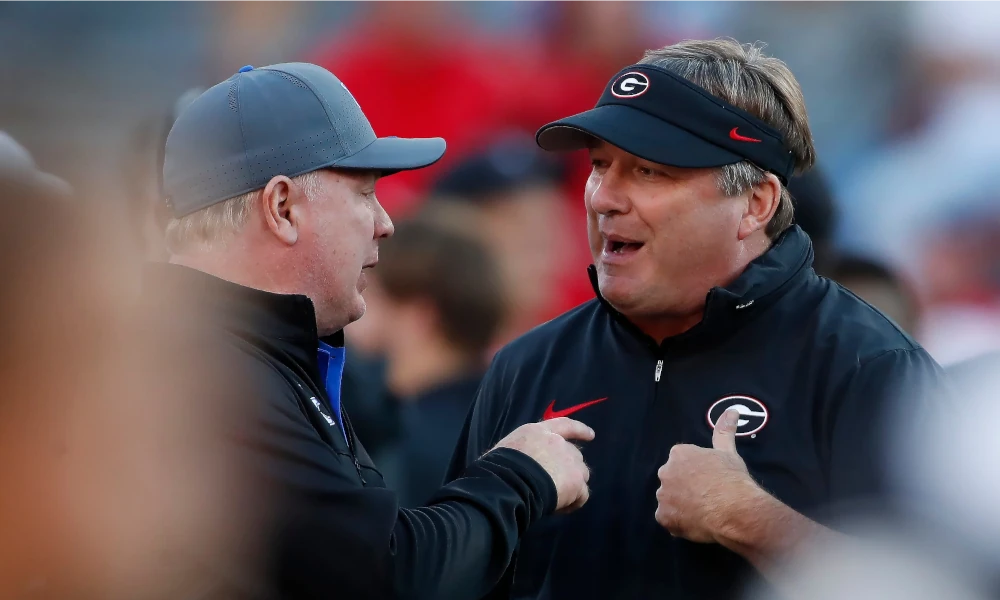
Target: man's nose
{"points": [[383, 224], [608, 194]]}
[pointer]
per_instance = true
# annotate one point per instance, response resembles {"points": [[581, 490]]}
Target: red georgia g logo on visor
{"points": [[753, 413], [630, 85]]}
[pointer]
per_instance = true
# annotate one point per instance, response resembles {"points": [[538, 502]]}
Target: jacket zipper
{"points": [[659, 370], [349, 430]]}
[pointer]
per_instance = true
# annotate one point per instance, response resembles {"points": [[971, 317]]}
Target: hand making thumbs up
{"points": [[699, 486]]}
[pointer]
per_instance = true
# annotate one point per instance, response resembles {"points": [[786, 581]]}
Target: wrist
{"points": [[746, 521]]}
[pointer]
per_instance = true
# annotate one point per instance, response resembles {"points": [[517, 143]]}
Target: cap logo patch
{"points": [[753, 414], [630, 85]]}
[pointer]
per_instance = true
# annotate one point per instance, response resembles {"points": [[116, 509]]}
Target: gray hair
{"points": [[742, 75], [211, 228]]}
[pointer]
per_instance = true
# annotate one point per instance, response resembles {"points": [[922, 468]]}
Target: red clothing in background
{"points": [[461, 89]]}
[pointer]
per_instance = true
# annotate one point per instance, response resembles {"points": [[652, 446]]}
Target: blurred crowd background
{"points": [[904, 210]]}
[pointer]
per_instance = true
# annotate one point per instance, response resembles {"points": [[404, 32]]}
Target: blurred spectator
{"points": [[947, 163], [438, 298], [928, 203], [515, 195], [849, 59], [960, 263], [582, 44], [815, 212], [877, 285]]}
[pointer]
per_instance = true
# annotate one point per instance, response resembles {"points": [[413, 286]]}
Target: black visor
{"points": [[661, 117]]}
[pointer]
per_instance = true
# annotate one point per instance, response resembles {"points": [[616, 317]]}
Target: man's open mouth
{"points": [[615, 245]]}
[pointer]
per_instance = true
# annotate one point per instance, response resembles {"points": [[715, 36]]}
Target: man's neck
{"points": [[662, 327]]}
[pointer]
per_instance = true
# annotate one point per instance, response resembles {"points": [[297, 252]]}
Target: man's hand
{"points": [[699, 487], [546, 442], [707, 495]]}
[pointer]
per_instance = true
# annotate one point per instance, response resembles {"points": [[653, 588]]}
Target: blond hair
{"points": [[743, 76], [212, 227]]}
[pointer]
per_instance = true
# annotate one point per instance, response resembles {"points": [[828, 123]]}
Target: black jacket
{"points": [[333, 530], [813, 366]]}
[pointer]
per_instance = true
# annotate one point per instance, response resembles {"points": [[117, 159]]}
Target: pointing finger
{"points": [[569, 429], [724, 437]]}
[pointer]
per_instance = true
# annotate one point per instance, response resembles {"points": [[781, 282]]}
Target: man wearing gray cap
{"points": [[270, 176]]}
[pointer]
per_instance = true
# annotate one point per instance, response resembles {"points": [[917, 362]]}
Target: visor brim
{"points": [[636, 132]]}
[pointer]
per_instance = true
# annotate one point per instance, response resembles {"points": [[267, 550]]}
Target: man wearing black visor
{"points": [[740, 401]]}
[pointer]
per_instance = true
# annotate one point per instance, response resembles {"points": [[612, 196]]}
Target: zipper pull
{"points": [[659, 370], [348, 433], [357, 466]]}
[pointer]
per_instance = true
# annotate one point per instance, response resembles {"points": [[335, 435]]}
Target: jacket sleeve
{"points": [[882, 396], [337, 539]]}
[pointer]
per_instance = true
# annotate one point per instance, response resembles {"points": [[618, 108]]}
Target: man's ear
{"points": [[761, 206], [279, 204]]}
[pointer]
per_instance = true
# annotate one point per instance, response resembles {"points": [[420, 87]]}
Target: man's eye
{"points": [[598, 163]]}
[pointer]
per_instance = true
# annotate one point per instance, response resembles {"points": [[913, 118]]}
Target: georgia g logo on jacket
{"points": [[753, 414]]}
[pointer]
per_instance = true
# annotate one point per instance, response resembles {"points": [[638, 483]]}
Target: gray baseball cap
{"points": [[285, 119]]}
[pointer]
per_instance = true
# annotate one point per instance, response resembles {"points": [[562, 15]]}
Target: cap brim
{"points": [[637, 133], [393, 154]]}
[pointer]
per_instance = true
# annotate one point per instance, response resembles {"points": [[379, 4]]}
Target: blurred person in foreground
{"points": [[739, 399], [943, 539], [438, 298], [511, 193], [111, 473], [271, 177], [32, 437]]}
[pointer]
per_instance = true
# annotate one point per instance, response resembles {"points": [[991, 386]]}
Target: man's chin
{"points": [[330, 323], [618, 291], [359, 310]]}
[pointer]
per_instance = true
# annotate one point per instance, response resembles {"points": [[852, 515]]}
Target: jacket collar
{"points": [[284, 323], [761, 284]]}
